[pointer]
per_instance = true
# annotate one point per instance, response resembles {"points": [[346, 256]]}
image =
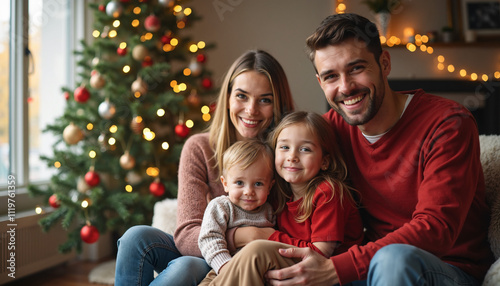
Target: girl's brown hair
{"points": [[335, 174]]}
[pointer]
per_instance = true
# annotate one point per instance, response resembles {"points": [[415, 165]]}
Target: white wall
{"points": [[281, 27]]}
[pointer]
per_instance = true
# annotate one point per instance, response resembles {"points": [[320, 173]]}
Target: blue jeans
{"points": [[403, 264], [143, 249]]}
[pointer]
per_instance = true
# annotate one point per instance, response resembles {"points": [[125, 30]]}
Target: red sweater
{"points": [[330, 220], [420, 184]]}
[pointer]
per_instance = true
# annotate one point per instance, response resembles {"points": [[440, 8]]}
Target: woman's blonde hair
{"points": [[222, 131], [335, 174], [246, 152]]}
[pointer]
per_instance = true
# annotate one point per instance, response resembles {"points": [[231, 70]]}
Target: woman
{"points": [[254, 96]]}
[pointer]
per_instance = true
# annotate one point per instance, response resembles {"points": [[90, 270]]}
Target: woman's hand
{"points": [[314, 269], [247, 234]]}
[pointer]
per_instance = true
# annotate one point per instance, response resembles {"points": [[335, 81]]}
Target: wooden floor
{"points": [[73, 273]]}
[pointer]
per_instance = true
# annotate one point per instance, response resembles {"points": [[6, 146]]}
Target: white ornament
{"points": [[107, 109], [195, 67], [139, 86], [133, 178], [114, 9]]}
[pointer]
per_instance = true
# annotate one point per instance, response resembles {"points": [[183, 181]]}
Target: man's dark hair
{"points": [[337, 28]]}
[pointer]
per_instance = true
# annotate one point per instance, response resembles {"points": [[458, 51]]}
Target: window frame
{"points": [[19, 58]]}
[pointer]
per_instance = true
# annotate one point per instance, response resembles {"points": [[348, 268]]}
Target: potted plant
{"points": [[382, 10]]}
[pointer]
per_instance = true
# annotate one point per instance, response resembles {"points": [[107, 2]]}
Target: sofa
{"points": [[165, 211]]}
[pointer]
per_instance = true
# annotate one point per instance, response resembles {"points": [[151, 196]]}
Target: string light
{"points": [[92, 154], [165, 145], [90, 126], [38, 210], [57, 164], [160, 112], [189, 123], [152, 171], [129, 188], [420, 41]]}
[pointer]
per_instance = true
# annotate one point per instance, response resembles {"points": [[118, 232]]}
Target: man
{"points": [[413, 157]]}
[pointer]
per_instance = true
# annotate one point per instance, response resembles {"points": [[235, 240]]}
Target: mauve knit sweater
{"points": [[198, 183]]}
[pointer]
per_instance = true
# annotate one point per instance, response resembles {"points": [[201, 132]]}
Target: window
{"points": [[38, 53]]}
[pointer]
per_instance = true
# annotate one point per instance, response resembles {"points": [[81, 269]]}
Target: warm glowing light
{"points": [[167, 48], [201, 44], [408, 34], [182, 87], [92, 154], [111, 141], [135, 23], [193, 48], [96, 34], [186, 72], [137, 94], [411, 47], [341, 7], [123, 45], [113, 128], [57, 164], [176, 89], [187, 11], [206, 117], [137, 10], [440, 66], [138, 119], [189, 123], [165, 145], [463, 73], [148, 134], [174, 42], [440, 59], [112, 33], [484, 77], [430, 50], [38, 210], [126, 69], [90, 126], [205, 109], [160, 112], [425, 39], [473, 76], [177, 8], [85, 204], [148, 36], [116, 23], [497, 74], [173, 83], [181, 25], [128, 188], [451, 68], [152, 171], [423, 48], [383, 40]]}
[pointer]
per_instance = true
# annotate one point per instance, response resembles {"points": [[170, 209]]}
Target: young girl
{"points": [[314, 205]]}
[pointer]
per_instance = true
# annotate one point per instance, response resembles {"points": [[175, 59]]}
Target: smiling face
{"points": [[352, 80], [298, 157], [251, 107], [248, 188]]}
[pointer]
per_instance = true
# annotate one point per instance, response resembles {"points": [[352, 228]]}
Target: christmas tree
{"points": [[142, 87]]}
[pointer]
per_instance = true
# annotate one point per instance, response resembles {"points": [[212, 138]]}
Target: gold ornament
{"points": [[82, 186], [137, 125], [97, 81], [140, 52], [127, 161], [139, 86], [72, 134]]}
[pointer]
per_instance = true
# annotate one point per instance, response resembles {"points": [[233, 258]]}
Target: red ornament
{"points": [[92, 178], [181, 130], [81, 94], [213, 106], [152, 23], [201, 58], [89, 234], [157, 188], [147, 62], [165, 39], [102, 8], [206, 83], [66, 95], [121, 52], [54, 202]]}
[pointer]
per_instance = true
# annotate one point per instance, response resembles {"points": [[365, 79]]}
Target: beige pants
{"points": [[250, 264]]}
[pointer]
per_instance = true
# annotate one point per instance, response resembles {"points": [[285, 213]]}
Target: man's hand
{"points": [[314, 269], [247, 234]]}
